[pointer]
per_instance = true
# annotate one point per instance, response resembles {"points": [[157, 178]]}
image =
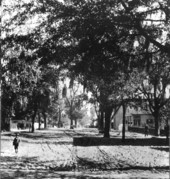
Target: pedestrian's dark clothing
{"points": [[146, 130], [167, 132], [16, 142]]}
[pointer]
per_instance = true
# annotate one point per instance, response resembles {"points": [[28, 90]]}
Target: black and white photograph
{"points": [[85, 89]]}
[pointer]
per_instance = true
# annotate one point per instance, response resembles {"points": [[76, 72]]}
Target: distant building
{"points": [[134, 117], [16, 125], [19, 125]]}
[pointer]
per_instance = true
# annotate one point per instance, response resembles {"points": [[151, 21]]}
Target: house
{"points": [[134, 117], [138, 117], [19, 124]]}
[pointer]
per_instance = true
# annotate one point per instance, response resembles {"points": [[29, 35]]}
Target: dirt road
{"points": [[43, 154]]}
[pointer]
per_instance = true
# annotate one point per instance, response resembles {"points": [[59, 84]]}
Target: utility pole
{"points": [[124, 105], [124, 121]]}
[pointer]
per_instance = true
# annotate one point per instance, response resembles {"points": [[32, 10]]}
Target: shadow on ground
{"points": [[53, 134], [166, 149], [99, 141], [30, 135], [14, 161], [87, 138], [45, 174], [38, 175]]}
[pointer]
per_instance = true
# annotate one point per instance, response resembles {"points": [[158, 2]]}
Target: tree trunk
{"points": [[59, 118], [101, 121], [39, 121], [157, 126], [45, 120], [76, 123], [71, 120], [167, 132], [124, 122], [71, 123], [33, 119], [108, 112]]}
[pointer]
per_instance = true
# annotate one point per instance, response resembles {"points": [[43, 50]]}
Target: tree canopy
{"points": [[99, 42]]}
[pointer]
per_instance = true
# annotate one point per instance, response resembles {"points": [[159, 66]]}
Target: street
{"points": [[51, 154]]}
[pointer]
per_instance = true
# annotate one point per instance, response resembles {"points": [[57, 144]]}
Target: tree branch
{"points": [[163, 48], [143, 90]]}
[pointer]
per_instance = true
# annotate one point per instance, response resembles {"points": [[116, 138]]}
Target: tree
{"points": [[99, 49], [165, 116], [94, 100], [23, 76], [152, 85], [95, 39], [148, 21], [141, 38], [105, 96], [19, 77], [74, 99], [150, 27]]}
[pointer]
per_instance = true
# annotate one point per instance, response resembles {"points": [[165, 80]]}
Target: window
{"points": [[129, 120], [137, 120], [150, 122]]}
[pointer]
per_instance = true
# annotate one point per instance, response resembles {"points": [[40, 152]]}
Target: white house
{"points": [[136, 117]]}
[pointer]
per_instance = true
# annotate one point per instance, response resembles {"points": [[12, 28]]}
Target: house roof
{"points": [[19, 121], [138, 111], [141, 113]]}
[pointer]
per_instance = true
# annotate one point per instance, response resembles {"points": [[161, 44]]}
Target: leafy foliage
{"points": [[100, 42], [74, 102]]}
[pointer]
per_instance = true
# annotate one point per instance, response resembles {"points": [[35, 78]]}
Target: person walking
{"points": [[167, 133], [16, 142], [146, 130]]}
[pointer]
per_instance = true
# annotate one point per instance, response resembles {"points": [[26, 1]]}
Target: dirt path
{"points": [[44, 152]]}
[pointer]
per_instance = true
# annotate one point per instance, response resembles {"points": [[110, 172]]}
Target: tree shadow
{"points": [[99, 141], [165, 149], [86, 138], [16, 158], [45, 174], [14, 162], [36, 136]]}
